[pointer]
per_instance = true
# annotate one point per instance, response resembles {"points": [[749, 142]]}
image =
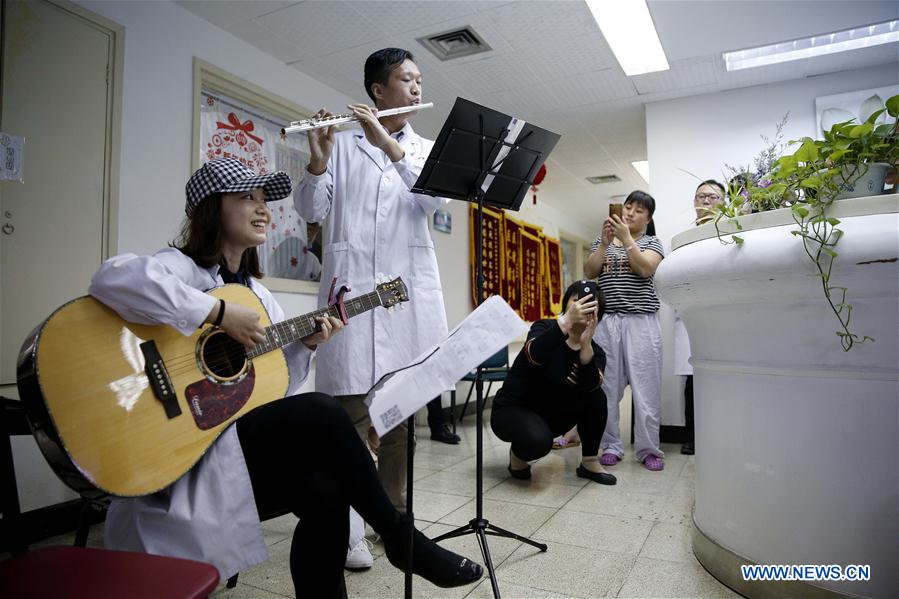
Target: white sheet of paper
{"points": [[483, 333]]}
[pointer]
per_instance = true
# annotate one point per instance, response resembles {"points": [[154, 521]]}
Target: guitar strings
{"points": [[186, 363]]}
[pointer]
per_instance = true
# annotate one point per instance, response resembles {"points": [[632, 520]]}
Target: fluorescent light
{"points": [[818, 45], [630, 32], [642, 167]]}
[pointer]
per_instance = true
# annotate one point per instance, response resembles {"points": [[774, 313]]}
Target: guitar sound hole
{"points": [[223, 356]]}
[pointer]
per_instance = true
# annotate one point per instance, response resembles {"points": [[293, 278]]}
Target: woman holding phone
{"points": [[554, 384], [625, 258]]}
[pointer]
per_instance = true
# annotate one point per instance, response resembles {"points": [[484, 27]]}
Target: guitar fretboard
{"points": [[294, 329]]}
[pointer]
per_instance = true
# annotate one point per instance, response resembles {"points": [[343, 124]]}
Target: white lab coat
{"points": [[376, 226], [209, 514]]}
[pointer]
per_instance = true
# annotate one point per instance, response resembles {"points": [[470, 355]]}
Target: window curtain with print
{"points": [[228, 131]]}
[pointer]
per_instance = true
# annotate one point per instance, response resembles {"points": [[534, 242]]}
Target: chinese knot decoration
{"points": [[538, 179]]}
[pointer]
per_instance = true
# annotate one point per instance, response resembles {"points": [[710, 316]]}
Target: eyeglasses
{"points": [[712, 197]]}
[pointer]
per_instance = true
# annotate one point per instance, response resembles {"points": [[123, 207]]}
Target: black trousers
{"points": [[304, 456], [436, 417], [688, 408], [531, 426]]}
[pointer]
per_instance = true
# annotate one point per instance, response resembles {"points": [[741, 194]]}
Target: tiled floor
{"points": [[629, 540]]}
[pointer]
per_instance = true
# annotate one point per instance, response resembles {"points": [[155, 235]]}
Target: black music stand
{"points": [[484, 156]]}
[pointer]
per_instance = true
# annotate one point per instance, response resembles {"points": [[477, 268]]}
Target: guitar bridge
{"points": [[159, 379]]}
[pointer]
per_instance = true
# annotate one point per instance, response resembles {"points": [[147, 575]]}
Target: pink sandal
{"points": [[562, 443], [609, 459], [653, 463]]}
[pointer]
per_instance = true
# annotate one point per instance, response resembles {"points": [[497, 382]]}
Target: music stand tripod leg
{"points": [[410, 456]]}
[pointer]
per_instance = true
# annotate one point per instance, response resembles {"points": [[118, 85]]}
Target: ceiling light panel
{"points": [[630, 32], [818, 45]]}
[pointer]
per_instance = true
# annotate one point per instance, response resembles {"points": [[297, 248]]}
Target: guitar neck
{"points": [[294, 329]]}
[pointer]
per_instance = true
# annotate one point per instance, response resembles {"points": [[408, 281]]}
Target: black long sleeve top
{"points": [[547, 369]]}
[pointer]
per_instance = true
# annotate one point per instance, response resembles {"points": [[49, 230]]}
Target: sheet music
{"points": [[483, 333], [512, 133]]}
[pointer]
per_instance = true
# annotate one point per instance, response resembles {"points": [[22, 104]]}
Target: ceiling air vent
{"points": [[598, 179], [454, 44]]}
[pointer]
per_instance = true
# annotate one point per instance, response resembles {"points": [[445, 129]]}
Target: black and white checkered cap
{"points": [[228, 175]]}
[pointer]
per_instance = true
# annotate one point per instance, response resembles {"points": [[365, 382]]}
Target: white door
{"points": [[56, 94]]}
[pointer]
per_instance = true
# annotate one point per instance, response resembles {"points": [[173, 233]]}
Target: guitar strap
{"points": [[338, 301]]}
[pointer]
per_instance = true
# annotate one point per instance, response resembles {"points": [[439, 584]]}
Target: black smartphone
{"points": [[586, 288]]}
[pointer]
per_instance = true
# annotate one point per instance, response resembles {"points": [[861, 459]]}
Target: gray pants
{"points": [[633, 346], [392, 459]]}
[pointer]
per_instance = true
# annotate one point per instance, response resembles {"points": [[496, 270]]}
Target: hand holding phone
{"points": [[586, 288]]}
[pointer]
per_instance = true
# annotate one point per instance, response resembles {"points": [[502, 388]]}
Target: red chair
{"points": [[76, 572]]}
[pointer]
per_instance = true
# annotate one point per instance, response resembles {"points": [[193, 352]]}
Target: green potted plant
{"points": [[852, 160]]}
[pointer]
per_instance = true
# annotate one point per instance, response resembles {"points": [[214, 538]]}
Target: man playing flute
{"points": [[360, 179]]}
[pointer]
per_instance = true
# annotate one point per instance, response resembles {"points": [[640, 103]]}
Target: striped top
{"points": [[627, 292]]}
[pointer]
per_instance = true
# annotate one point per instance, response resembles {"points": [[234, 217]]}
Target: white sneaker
{"points": [[359, 557]]}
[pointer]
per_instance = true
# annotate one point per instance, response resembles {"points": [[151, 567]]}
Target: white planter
{"points": [[797, 441], [870, 182]]}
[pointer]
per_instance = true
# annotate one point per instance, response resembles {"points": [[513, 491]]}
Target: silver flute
{"points": [[327, 121]]}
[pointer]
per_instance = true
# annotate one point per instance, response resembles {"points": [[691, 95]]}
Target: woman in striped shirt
{"points": [[625, 258]]}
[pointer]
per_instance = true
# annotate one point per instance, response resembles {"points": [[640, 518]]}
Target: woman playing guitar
{"points": [[268, 462]]}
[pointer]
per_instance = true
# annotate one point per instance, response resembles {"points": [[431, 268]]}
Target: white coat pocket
{"points": [[423, 265]]}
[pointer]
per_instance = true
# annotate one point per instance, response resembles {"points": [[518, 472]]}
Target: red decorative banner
{"points": [[521, 264], [554, 275], [531, 280], [544, 286], [512, 280], [533, 229], [492, 259]]}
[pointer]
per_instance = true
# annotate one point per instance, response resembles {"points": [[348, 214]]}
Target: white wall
{"points": [[700, 134]]}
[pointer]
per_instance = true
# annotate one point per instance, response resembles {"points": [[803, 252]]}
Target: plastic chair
{"points": [[76, 572], [493, 369]]}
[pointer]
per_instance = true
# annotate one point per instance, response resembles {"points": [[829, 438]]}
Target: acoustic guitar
{"points": [[126, 409]]}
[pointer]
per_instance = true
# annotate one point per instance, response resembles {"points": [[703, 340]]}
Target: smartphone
{"points": [[586, 288], [616, 209]]}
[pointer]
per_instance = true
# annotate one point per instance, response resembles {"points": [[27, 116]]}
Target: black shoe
{"points": [[429, 560], [603, 478], [444, 435], [523, 474], [688, 448]]}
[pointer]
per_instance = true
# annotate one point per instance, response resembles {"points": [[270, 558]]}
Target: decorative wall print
{"points": [[858, 105], [229, 129]]}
